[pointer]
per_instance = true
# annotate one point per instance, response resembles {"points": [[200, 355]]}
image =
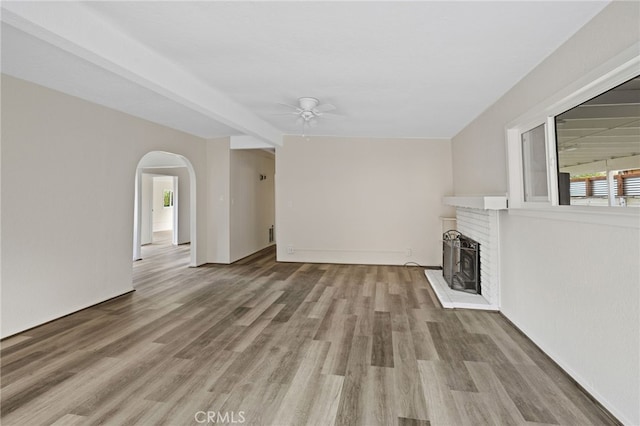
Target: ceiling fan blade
{"points": [[297, 109], [286, 113], [324, 108], [330, 115]]}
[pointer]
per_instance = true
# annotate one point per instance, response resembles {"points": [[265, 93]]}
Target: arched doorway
{"points": [[161, 202], [155, 160]]}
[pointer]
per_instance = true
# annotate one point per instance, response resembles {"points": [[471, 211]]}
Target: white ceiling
{"points": [[392, 69]]}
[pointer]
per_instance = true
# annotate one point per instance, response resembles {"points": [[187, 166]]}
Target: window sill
{"points": [[623, 217]]}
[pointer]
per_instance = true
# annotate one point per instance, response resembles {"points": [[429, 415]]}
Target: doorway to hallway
{"points": [[163, 206], [164, 210]]}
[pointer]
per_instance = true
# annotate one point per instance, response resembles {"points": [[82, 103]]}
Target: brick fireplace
{"points": [[477, 218]]}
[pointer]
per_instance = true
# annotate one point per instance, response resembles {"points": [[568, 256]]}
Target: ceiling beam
{"points": [[626, 111], [74, 28], [623, 163], [616, 97]]}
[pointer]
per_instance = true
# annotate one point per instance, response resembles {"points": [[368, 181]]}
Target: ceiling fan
{"points": [[309, 111]]}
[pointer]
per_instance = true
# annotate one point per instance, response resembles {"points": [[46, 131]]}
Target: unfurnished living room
{"points": [[320, 213]]}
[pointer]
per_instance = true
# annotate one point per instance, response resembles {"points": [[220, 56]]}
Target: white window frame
{"points": [[515, 158], [535, 201], [614, 72]]}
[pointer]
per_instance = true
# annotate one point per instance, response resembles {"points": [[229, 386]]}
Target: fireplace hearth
{"points": [[461, 262]]}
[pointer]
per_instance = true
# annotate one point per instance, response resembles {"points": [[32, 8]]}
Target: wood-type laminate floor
{"points": [[260, 342]]}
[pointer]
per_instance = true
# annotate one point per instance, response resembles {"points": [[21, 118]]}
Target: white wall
{"points": [[79, 252], [360, 200], [572, 287], [146, 208], [252, 209]]}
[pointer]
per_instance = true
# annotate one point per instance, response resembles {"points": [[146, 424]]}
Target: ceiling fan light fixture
{"points": [[307, 115], [309, 111]]}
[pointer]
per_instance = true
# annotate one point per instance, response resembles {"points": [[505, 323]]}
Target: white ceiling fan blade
{"points": [[286, 113], [330, 115], [293, 107], [324, 108]]}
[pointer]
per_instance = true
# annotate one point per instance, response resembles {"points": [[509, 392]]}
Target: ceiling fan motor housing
{"points": [[307, 104]]}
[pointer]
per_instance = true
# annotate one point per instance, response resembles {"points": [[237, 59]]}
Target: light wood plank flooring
{"points": [[282, 343]]}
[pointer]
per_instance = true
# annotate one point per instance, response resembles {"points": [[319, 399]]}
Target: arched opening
{"points": [[148, 165]]}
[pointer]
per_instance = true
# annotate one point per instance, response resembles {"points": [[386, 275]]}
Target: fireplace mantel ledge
{"points": [[482, 202]]}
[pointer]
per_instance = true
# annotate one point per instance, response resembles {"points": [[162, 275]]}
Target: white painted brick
{"points": [[482, 226]]}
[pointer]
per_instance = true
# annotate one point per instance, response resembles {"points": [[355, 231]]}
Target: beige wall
{"points": [[218, 190], [479, 150], [240, 207], [69, 246], [62, 248], [351, 200], [252, 201], [572, 287]]}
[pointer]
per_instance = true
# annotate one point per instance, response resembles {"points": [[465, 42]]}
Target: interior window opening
{"points": [[598, 149]]}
